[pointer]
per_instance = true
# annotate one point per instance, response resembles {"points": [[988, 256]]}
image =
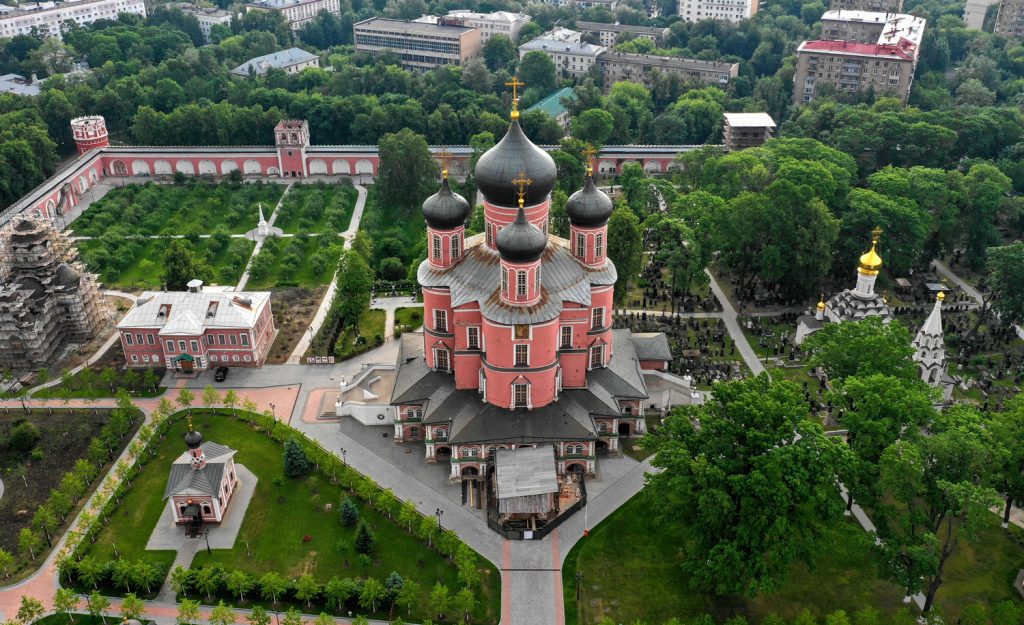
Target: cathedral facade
{"points": [[517, 347]]}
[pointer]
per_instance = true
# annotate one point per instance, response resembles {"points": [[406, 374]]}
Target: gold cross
{"points": [[515, 83], [589, 152], [877, 232], [444, 155], [521, 182]]}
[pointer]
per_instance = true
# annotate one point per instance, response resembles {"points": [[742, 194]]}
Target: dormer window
{"points": [[211, 312]]}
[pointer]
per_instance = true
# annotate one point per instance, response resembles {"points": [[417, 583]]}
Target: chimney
{"points": [[195, 286]]}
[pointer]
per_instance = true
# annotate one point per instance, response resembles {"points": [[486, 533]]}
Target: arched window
{"points": [[598, 245], [455, 246], [520, 284], [207, 509], [437, 246], [602, 427], [628, 409], [504, 282], [472, 452], [581, 245]]}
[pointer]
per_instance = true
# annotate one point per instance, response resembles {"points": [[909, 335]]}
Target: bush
{"points": [[349, 513], [24, 437], [365, 541]]}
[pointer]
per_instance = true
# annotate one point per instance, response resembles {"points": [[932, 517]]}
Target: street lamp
{"points": [[343, 459], [579, 605], [272, 413], [438, 514], [206, 535]]}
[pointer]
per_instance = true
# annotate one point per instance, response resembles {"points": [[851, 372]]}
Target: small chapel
{"points": [[201, 481]]}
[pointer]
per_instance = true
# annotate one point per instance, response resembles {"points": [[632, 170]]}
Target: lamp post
{"points": [[272, 413], [438, 514], [206, 535], [343, 459], [579, 605]]}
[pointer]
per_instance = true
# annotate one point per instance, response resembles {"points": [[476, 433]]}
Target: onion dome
{"points": [[589, 206], [870, 261], [193, 438], [66, 276], [821, 303], [446, 209], [941, 296], [521, 242], [513, 155]]}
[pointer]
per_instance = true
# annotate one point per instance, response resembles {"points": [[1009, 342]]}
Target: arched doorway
{"points": [[470, 472], [118, 168], [575, 467], [442, 453], [624, 429], [602, 447]]}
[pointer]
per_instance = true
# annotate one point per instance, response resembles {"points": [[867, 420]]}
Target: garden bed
{"points": [[294, 309]]}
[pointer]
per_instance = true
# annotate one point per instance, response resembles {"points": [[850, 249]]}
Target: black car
{"points": [[220, 374]]}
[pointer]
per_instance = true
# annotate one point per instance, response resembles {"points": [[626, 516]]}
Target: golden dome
{"points": [[821, 303], [941, 296], [871, 262]]}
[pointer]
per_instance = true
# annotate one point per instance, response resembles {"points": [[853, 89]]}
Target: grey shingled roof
{"points": [[477, 278], [525, 471], [652, 346], [625, 365], [184, 480], [848, 306]]}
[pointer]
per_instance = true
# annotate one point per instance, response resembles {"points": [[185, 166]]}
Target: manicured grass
{"points": [[277, 519], [195, 207], [137, 264], [316, 207], [631, 570], [412, 318], [371, 325], [295, 261]]}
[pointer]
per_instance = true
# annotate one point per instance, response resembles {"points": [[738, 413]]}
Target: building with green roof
{"points": [[552, 105]]}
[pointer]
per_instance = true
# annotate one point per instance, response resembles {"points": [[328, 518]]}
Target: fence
{"points": [[537, 534]]}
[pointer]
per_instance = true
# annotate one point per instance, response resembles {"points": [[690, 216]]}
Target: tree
{"points": [[306, 589], [210, 396], [407, 515], [29, 610], [28, 542], [625, 248], [6, 560], [372, 594], [90, 571], [339, 590], [365, 541], [1008, 429], [188, 612], [863, 348], [222, 615], [231, 400], [64, 602], [940, 490], [748, 490], [440, 600], [355, 281], [207, 580], [594, 126], [292, 617], [499, 52], [1006, 275], [408, 595], [150, 380], [45, 520], [465, 602], [258, 616], [239, 582], [181, 266], [406, 171], [98, 605], [180, 580], [131, 607], [296, 463], [185, 398], [272, 585], [537, 70], [349, 513]]}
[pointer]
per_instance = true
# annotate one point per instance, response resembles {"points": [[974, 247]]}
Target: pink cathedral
{"points": [[517, 347]]}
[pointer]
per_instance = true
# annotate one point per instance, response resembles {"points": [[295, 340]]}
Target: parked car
{"points": [[220, 374]]}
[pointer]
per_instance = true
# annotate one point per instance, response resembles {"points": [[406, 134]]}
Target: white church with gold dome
{"points": [[854, 304]]}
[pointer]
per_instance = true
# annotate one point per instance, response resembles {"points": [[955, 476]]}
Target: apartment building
{"points": [[421, 46], [489, 24], [574, 59], [297, 12], [1010, 19], [878, 6], [47, 17], [642, 68], [860, 51], [583, 4], [727, 10], [608, 34], [975, 11], [207, 17]]}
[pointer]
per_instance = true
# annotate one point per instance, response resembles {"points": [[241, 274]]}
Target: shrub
{"points": [[24, 437], [365, 541], [296, 463], [349, 513]]}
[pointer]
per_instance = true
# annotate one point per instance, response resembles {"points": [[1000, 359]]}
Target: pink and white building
{"points": [[197, 329], [201, 481]]}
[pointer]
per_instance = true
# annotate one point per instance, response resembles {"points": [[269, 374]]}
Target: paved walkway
{"points": [[729, 316], [325, 303], [260, 240]]}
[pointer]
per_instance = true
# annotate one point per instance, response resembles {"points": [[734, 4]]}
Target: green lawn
{"points": [[371, 326], [295, 261], [278, 518], [136, 264], [411, 318], [316, 207], [631, 571], [197, 206]]}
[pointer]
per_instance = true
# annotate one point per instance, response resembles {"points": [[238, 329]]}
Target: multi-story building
{"points": [[296, 12], [197, 329], [583, 4], [553, 106], [47, 17], [419, 45], [208, 17], [975, 12], [1010, 19], [290, 61], [862, 51], [878, 6], [746, 130], [642, 68], [607, 34], [728, 10], [573, 59], [489, 24]]}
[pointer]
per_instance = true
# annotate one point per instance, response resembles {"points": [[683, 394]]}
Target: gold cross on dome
{"points": [[515, 83], [589, 152], [444, 155], [521, 182], [876, 233]]}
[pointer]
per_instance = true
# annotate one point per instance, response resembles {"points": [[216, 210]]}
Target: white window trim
{"points": [[515, 355]]}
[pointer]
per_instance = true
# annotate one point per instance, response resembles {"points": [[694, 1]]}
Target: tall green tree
{"points": [[537, 70], [407, 172], [1006, 281], [863, 348], [182, 265], [748, 484], [625, 248], [296, 462]]}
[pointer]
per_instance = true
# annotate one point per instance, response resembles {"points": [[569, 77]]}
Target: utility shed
{"points": [[525, 481]]}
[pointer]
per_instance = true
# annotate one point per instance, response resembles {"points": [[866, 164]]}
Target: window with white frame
{"points": [[596, 356], [149, 339], [597, 318], [520, 395], [245, 339], [437, 246], [455, 246], [598, 245], [441, 320], [138, 338], [128, 338], [473, 337], [472, 452], [194, 345], [520, 284], [170, 346], [233, 338], [522, 355], [181, 346], [504, 282], [581, 244], [565, 337], [441, 359]]}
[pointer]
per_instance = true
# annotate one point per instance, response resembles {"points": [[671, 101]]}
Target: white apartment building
{"points": [[48, 16], [297, 12], [574, 59], [727, 10], [489, 24], [207, 17]]}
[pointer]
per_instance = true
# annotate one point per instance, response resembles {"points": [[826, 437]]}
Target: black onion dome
{"points": [[193, 439], [521, 242], [589, 206], [514, 154], [446, 209]]}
